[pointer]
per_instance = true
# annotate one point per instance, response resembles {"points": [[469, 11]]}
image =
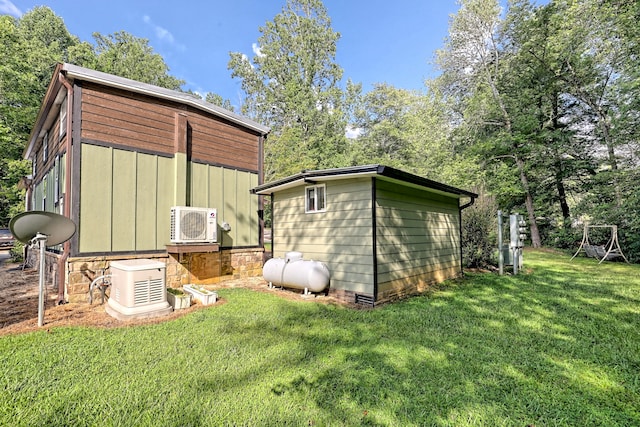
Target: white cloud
{"points": [[256, 50], [8, 8], [162, 33]]}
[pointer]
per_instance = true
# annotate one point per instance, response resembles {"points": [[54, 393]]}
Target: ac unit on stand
{"points": [[193, 225]]}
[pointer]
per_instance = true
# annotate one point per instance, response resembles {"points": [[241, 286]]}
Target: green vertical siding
{"points": [[123, 201], [341, 237], [199, 185], [146, 201], [95, 193], [228, 190], [126, 198], [165, 199], [229, 207], [417, 234]]}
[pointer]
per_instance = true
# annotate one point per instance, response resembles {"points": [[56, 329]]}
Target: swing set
{"points": [[609, 251]]}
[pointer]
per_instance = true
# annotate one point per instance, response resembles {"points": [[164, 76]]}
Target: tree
{"points": [[30, 48], [128, 56], [474, 64], [291, 85]]}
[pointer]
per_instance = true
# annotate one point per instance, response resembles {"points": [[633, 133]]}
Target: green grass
{"points": [[559, 345]]}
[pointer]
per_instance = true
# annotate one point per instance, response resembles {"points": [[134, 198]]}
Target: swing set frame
{"points": [[609, 251]]}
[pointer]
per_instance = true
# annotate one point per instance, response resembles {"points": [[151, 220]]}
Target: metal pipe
{"points": [[41, 239], [93, 283], [67, 187], [500, 243]]}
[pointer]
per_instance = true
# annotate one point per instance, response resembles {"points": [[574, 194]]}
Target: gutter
{"points": [[67, 188], [460, 209]]}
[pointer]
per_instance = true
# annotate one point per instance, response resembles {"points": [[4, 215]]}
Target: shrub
{"points": [[479, 225]]}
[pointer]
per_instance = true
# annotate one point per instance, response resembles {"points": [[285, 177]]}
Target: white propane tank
{"points": [[294, 272]]}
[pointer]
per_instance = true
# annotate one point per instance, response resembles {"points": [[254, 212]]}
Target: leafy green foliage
{"points": [[557, 345], [30, 48], [291, 85], [479, 238]]}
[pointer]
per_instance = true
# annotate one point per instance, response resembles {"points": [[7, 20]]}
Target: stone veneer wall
{"points": [[201, 268]]}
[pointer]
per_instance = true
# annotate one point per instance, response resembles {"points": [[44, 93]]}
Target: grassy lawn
{"points": [[559, 345]]}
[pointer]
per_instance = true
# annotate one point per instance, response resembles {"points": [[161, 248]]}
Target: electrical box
{"points": [[517, 228]]}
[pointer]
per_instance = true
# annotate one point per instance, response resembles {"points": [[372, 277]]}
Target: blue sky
{"points": [[381, 40]]}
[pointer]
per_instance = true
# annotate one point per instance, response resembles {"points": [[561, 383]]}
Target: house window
{"points": [[45, 147], [315, 198], [63, 117]]}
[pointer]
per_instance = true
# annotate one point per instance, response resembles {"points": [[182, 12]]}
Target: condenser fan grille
{"points": [[193, 225]]}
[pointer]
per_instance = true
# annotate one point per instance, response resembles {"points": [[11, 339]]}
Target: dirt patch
{"points": [[19, 303]]}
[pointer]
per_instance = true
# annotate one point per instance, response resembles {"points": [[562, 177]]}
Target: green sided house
{"points": [[116, 155], [383, 233]]}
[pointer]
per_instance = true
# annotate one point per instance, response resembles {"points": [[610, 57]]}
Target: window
{"points": [[315, 198], [45, 147], [63, 117]]}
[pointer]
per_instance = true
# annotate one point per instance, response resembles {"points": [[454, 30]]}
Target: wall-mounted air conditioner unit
{"points": [[193, 225]]}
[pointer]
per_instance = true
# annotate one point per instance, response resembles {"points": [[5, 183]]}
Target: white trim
{"points": [[316, 198]]}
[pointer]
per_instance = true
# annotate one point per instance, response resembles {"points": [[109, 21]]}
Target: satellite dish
{"points": [[45, 229], [27, 225]]}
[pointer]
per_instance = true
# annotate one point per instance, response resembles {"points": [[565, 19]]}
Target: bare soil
{"points": [[19, 303]]}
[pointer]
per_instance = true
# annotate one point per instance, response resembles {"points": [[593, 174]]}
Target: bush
{"points": [[17, 252], [479, 238]]}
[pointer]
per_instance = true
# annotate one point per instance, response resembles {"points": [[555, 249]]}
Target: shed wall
{"points": [[341, 236], [418, 239]]}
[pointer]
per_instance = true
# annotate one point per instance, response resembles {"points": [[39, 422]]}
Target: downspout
{"points": [[460, 209], [67, 189]]}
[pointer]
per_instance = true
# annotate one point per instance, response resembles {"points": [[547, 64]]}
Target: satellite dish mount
{"points": [[45, 229]]}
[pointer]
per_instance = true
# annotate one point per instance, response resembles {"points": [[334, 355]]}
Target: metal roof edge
{"points": [[45, 105], [86, 74], [366, 170]]}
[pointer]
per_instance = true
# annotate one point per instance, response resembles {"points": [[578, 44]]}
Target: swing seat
{"points": [[592, 251], [600, 252]]}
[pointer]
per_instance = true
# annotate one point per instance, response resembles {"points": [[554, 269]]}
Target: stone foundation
{"points": [[213, 267], [200, 268]]}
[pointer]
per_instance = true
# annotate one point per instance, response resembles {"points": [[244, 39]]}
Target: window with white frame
{"points": [[315, 198], [45, 147], [63, 117]]}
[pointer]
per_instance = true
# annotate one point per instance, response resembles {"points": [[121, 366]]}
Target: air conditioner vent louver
{"points": [[148, 291], [189, 225]]}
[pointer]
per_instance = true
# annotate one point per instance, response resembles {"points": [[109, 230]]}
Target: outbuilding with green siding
{"points": [[382, 232], [115, 155]]}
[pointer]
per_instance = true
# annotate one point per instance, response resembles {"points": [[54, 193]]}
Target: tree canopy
{"points": [[536, 105]]}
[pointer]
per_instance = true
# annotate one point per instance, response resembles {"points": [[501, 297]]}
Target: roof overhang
{"points": [[74, 72], [382, 172]]}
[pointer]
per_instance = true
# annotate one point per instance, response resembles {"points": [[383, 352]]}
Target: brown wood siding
{"points": [[216, 142], [56, 147], [119, 118], [124, 119]]}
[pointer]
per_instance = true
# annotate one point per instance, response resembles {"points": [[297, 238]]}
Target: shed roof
{"points": [[74, 72], [380, 171]]}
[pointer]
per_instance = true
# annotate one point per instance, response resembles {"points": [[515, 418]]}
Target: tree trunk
{"points": [[613, 162], [533, 225], [562, 196]]}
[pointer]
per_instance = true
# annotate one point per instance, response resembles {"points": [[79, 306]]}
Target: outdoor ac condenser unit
{"points": [[193, 225]]}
